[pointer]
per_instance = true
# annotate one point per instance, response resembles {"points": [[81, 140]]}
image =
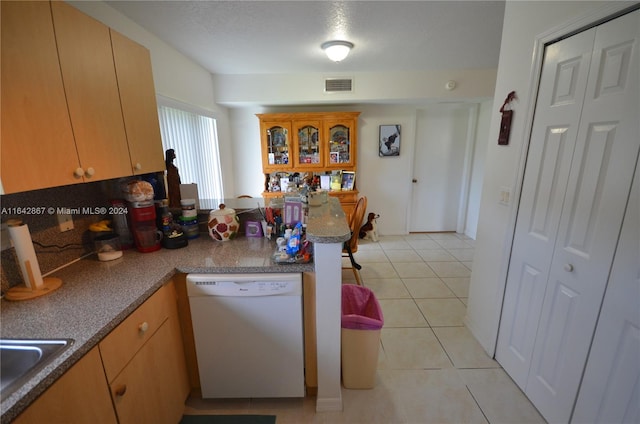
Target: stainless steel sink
{"points": [[21, 359]]}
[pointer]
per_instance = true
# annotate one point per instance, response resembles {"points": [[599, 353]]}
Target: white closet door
{"points": [[553, 138], [610, 390], [582, 155], [599, 184]]}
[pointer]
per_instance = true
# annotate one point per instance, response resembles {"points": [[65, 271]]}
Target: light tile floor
{"points": [[430, 368]]}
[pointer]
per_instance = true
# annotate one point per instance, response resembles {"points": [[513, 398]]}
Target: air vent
{"points": [[338, 85]]}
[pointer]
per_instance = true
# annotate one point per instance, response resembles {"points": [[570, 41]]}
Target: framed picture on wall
{"points": [[389, 140]]}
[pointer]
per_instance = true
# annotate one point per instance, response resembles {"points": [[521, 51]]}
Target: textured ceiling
{"points": [[258, 37]]}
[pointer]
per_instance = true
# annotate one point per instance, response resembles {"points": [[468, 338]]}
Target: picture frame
{"points": [[336, 180], [389, 140], [348, 180], [334, 157]]}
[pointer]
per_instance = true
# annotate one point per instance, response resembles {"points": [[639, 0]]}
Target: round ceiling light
{"points": [[337, 50]]}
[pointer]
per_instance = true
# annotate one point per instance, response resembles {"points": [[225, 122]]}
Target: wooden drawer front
{"points": [[125, 340]]}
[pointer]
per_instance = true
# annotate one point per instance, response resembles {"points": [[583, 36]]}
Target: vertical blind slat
{"points": [[195, 141]]}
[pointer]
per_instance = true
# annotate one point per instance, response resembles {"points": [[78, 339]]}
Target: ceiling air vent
{"points": [[338, 85]]}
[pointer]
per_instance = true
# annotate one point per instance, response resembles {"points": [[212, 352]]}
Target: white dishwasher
{"points": [[248, 333]]}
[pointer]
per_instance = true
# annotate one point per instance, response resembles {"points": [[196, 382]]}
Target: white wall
{"points": [[477, 168], [523, 23], [368, 87], [386, 181]]}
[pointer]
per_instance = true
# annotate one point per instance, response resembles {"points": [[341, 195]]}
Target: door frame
{"points": [[559, 32]]}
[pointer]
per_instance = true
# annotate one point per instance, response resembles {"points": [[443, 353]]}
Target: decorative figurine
{"points": [[173, 179]]}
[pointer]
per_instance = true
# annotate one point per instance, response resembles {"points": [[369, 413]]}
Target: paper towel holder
{"points": [[30, 290]]}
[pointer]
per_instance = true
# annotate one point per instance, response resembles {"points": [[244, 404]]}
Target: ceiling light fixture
{"points": [[337, 50]]}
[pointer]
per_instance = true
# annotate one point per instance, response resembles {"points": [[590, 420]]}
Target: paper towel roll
{"points": [[19, 233]]}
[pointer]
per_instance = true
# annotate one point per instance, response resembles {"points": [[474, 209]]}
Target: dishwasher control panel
{"points": [[244, 284]]}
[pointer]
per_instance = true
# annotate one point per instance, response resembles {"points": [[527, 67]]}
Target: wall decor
{"points": [[389, 140], [505, 122]]}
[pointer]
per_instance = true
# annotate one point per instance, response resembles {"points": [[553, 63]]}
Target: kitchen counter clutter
{"points": [[97, 296]]}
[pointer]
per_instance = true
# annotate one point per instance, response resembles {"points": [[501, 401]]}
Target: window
{"points": [[195, 140]]}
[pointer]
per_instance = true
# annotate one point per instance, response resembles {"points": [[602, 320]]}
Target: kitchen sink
{"points": [[21, 359]]}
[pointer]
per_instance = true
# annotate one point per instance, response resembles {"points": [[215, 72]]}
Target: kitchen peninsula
{"points": [[96, 297]]}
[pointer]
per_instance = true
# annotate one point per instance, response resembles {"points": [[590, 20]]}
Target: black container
{"points": [[175, 242]]}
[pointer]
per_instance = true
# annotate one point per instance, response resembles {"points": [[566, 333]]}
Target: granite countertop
{"points": [[97, 296]]}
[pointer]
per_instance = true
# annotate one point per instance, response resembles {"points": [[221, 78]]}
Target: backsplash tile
{"points": [[66, 246]]}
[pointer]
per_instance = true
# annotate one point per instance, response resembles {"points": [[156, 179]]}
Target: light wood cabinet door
{"points": [[340, 139], [86, 61], [310, 345], [38, 149], [333, 135], [138, 101], [80, 396], [308, 149], [153, 387], [276, 142]]}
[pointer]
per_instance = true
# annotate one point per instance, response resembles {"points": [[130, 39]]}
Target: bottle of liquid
{"points": [[166, 218]]}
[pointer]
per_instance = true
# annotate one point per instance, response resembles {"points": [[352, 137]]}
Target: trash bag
{"points": [[360, 308]]}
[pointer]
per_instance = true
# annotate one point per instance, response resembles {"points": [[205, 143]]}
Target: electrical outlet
{"points": [[65, 221]]}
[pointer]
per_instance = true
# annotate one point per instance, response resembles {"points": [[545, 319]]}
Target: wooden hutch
{"points": [[310, 142]]}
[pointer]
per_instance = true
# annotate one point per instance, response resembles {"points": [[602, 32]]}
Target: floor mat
{"points": [[228, 419]]}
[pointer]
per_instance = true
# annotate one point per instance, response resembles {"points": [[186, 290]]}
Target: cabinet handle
{"points": [[90, 172], [568, 267], [143, 327], [78, 173], [120, 391], [138, 166]]}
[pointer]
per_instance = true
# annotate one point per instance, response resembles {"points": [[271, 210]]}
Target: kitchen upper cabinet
{"points": [[78, 101], [91, 88], [138, 100], [308, 142], [80, 396], [38, 148]]}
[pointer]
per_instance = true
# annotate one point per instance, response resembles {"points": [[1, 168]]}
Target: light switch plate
{"points": [[505, 196]]}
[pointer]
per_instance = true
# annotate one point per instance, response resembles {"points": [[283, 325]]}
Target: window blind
{"points": [[195, 141]]}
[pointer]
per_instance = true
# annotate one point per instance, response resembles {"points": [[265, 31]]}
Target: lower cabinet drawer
{"points": [[119, 346]]}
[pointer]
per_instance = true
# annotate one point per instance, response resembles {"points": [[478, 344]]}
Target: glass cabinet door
{"points": [[276, 146], [341, 146], [308, 148]]}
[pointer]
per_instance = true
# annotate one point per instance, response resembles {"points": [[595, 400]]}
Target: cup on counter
{"points": [[268, 231], [253, 229]]}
